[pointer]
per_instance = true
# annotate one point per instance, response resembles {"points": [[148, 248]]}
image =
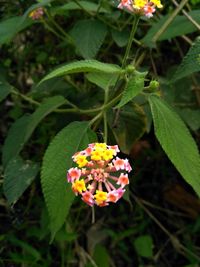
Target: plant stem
{"points": [[52, 30], [105, 135], [58, 27], [93, 215], [130, 41], [28, 99], [169, 21]]}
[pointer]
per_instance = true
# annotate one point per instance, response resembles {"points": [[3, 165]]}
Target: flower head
{"points": [[97, 178], [143, 7], [37, 13]]}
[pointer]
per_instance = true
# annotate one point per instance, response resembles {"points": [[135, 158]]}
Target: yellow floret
{"points": [[157, 3], [108, 154], [139, 4], [100, 145], [100, 196], [79, 186], [96, 154], [81, 161]]}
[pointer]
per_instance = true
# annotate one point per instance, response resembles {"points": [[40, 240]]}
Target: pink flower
{"points": [[73, 174], [123, 180], [141, 7], [99, 180], [125, 4], [119, 164], [113, 196], [120, 192], [37, 13], [88, 198], [149, 9]]}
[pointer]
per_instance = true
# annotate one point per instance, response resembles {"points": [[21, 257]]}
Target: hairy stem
{"points": [[130, 41]]}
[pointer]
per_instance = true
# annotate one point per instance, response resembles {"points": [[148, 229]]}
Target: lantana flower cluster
{"points": [[142, 7], [37, 13], [100, 177]]}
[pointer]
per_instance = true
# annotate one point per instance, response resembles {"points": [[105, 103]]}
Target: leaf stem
{"points": [[130, 41], [58, 27]]}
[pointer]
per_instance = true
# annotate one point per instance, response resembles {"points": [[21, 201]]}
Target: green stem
{"points": [[28, 99], [130, 41], [93, 215], [95, 118], [97, 15], [105, 135], [52, 30], [58, 27]]}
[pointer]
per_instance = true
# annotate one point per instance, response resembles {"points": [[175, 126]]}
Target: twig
{"points": [[188, 16], [169, 21]]}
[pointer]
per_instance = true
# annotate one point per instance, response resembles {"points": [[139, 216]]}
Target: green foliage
{"points": [[5, 89], [89, 6], [10, 27], [57, 160], [120, 37], [18, 176], [83, 66], [179, 26], [15, 141], [103, 80], [190, 63], [144, 246], [134, 86], [26, 125], [130, 117], [176, 141], [191, 117], [101, 256], [88, 36]]}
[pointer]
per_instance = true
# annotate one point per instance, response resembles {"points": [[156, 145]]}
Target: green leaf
{"points": [[5, 89], [17, 177], [190, 63], [27, 248], [179, 26], [133, 88], [83, 66], [22, 129], [10, 27], [88, 37], [129, 127], [144, 246], [120, 37], [101, 256], [191, 117], [15, 139], [89, 6], [57, 160], [103, 80], [176, 141]]}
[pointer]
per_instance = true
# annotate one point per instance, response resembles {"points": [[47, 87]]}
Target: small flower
{"points": [[142, 7], [108, 154], [123, 180], [97, 178], [125, 3], [100, 197], [81, 160], [149, 10], [37, 13], [119, 164], [73, 174], [88, 198], [78, 186]]}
